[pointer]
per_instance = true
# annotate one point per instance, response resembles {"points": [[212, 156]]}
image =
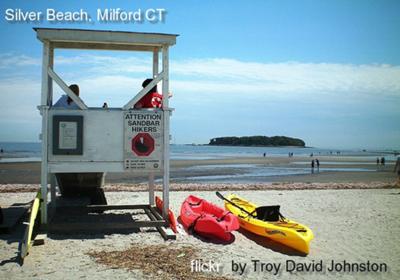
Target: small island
{"points": [[274, 141]]}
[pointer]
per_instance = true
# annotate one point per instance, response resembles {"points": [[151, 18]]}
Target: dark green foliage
{"points": [[257, 141]]}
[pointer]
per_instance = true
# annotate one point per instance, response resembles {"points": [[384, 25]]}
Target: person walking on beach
{"points": [[312, 166], [397, 168], [317, 161], [377, 161], [383, 161]]}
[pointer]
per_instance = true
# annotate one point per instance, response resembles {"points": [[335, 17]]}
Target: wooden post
{"points": [[151, 174], [45, 77], [165, 91], [155, 63], [47, 60], [50, 102], [151, 188], [50, 80]]}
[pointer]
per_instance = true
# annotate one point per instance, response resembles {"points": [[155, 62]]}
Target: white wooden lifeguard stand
{"points": [[103, 140]]}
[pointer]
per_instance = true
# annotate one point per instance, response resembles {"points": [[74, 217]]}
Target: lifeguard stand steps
{"points": [[79, 146]]}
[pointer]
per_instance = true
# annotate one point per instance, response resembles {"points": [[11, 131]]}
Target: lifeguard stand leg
{"points": [[165, 91], [151, 174], [46, 101], [44, 169], [151, 188]]}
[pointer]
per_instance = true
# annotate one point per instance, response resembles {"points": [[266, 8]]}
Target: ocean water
{"points": [[212, 152], [20, 151], [249, 173], [14, 152]]}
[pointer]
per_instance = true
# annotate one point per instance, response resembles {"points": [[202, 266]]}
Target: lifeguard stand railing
{"points": [[104, 140]]}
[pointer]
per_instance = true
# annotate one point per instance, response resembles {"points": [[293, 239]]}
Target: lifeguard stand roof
{"points": [[104, 40]]}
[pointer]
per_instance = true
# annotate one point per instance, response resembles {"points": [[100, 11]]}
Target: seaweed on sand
{"points": [[156, 261]]}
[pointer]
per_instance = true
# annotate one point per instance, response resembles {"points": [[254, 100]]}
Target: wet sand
{"points": [[182, 171]]}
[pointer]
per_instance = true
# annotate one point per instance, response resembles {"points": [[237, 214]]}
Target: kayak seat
{"points": [[268, 213], [223, 216], [196, 203]]}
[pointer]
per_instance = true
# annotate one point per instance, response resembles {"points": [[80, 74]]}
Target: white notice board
{"points": [[68, 135], [143, 131]]}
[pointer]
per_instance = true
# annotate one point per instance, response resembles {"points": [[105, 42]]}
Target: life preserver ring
{"points": [[156, 102]]}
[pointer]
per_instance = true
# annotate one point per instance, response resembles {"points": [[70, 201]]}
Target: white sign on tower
{"points": [[143, 140]]}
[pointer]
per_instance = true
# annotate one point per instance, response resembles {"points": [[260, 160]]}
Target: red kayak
{"points": [[207, 219], [171, 216]]}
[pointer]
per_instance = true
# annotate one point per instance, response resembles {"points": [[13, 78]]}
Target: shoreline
{"points": [[243, 170]]}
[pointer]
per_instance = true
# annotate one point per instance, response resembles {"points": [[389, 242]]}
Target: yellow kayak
{"points": [[284, 231]]}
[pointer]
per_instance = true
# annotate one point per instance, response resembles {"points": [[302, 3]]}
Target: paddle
{"points": [[237, 206]]}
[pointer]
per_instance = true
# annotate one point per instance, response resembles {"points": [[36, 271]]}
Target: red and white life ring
{"points": [[156, 102]]}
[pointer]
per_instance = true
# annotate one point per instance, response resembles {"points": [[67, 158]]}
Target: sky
{"points": [[327, 72]]}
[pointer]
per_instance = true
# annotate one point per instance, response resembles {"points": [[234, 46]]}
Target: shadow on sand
{"points": [[270, 244], [92, 225], [215, 240], [14, 235]]}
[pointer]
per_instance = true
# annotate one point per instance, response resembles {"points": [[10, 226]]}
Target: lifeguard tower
{"points": [[98, 140]]}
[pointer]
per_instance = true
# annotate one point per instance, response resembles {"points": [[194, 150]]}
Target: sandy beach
{"points": [[353, 215], [349, 225]]}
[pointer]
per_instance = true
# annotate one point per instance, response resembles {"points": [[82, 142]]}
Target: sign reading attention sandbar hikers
{"points": [[143, 140]]}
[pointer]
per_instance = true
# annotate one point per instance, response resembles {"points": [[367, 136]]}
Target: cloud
{"points": [[19, 117], [11, 60], [18, 99], [288, 77], [221, 75], [116, 90], [118, 77], [107, 65], [332, 94]]}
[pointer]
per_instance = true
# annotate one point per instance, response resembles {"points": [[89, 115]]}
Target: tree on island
{"points": [[257, 141]]}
